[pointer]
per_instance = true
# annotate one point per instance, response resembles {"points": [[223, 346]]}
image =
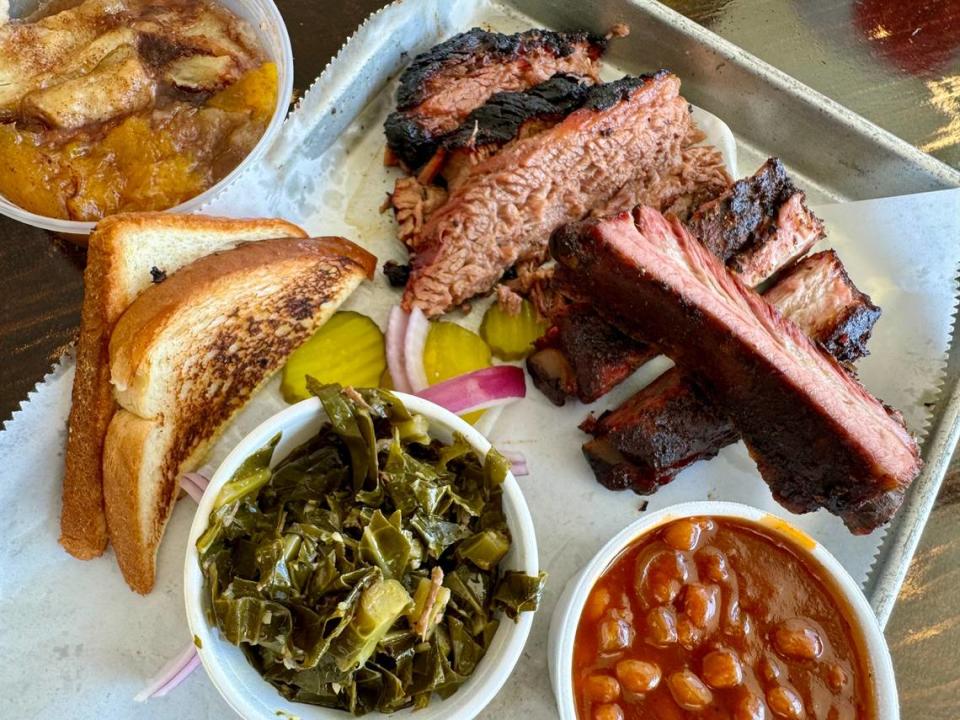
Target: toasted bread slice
{"points": [[123, 250], [189, 352]]}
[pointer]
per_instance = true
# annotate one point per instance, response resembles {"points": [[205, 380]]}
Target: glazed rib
{"points": [[443, 85], [510, 203], [819, 439], [763, 224], [670, 424]]}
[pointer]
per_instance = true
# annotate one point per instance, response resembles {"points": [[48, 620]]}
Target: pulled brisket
{"points": [[762, 248], [819, 439], [506, 208], [670, 424], [413, 202], [443, 85]]}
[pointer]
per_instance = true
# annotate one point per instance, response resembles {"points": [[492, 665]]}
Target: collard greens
{"points": [[362, 572]]}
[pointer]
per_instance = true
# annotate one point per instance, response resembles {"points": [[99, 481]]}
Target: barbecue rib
{"points": [[819, 439], [441, 86], [735, 227], [583, 355], [754, 249], [510, 203], [670, 424]]}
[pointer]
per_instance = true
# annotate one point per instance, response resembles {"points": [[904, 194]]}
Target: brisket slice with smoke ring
{"points": [[498, 121], [763, 246], [443, 85], [510, 203], [819, 439], [504, 118], [670, 424]]}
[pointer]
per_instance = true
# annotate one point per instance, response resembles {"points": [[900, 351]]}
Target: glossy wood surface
{"points": [[894, 61]]}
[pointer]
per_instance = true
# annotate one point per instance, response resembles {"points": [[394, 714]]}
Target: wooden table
{"points": [[894, 61]]}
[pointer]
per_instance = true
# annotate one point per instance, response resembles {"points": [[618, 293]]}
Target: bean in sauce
{"points": [[718, 618]]}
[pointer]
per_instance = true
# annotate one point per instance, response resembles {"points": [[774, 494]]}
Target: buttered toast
{"points": [[126, 254], [189, 352]]}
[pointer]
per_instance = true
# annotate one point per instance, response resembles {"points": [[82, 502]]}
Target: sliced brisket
{"points": [[762, 250], [499, 120], [443, 85], [698, 176], [506, 208], [670, 424], [819, 439]]}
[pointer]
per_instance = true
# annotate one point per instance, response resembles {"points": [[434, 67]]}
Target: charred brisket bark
{"points": [[819, 439], [443, 85], [499, 120], [506, 208], [670, 424], [502, 119]]}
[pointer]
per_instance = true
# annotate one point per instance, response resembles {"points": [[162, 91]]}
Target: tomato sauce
{"points": [[718, 618]]}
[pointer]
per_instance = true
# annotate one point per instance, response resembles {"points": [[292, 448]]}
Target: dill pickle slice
{"points": [[452, 350], [349, 350], [511, 337]]}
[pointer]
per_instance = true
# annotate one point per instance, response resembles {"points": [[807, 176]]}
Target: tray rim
{"points": [[788, 83]]}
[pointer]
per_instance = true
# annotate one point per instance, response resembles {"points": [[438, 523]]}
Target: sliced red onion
{"points": [[520, 469], [180, 676], [396, 334], [478, 390], [195, 483], [418, 327], [192, 490], [171, 674]]}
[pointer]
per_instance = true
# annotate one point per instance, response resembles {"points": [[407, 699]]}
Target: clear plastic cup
{"points": [[265, 20]]}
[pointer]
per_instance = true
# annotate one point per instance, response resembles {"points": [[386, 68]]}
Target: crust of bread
{"points": [[122, 250], [187, 355]]}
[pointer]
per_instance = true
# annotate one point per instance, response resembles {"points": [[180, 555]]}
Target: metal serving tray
{"points": [[769, 112]]}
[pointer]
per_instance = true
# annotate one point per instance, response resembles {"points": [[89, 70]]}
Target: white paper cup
{"points": [[265, 20], [241, 685], [566, 616]]}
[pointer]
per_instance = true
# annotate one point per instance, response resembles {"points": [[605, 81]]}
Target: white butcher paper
{"points": [[78, 644]]}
